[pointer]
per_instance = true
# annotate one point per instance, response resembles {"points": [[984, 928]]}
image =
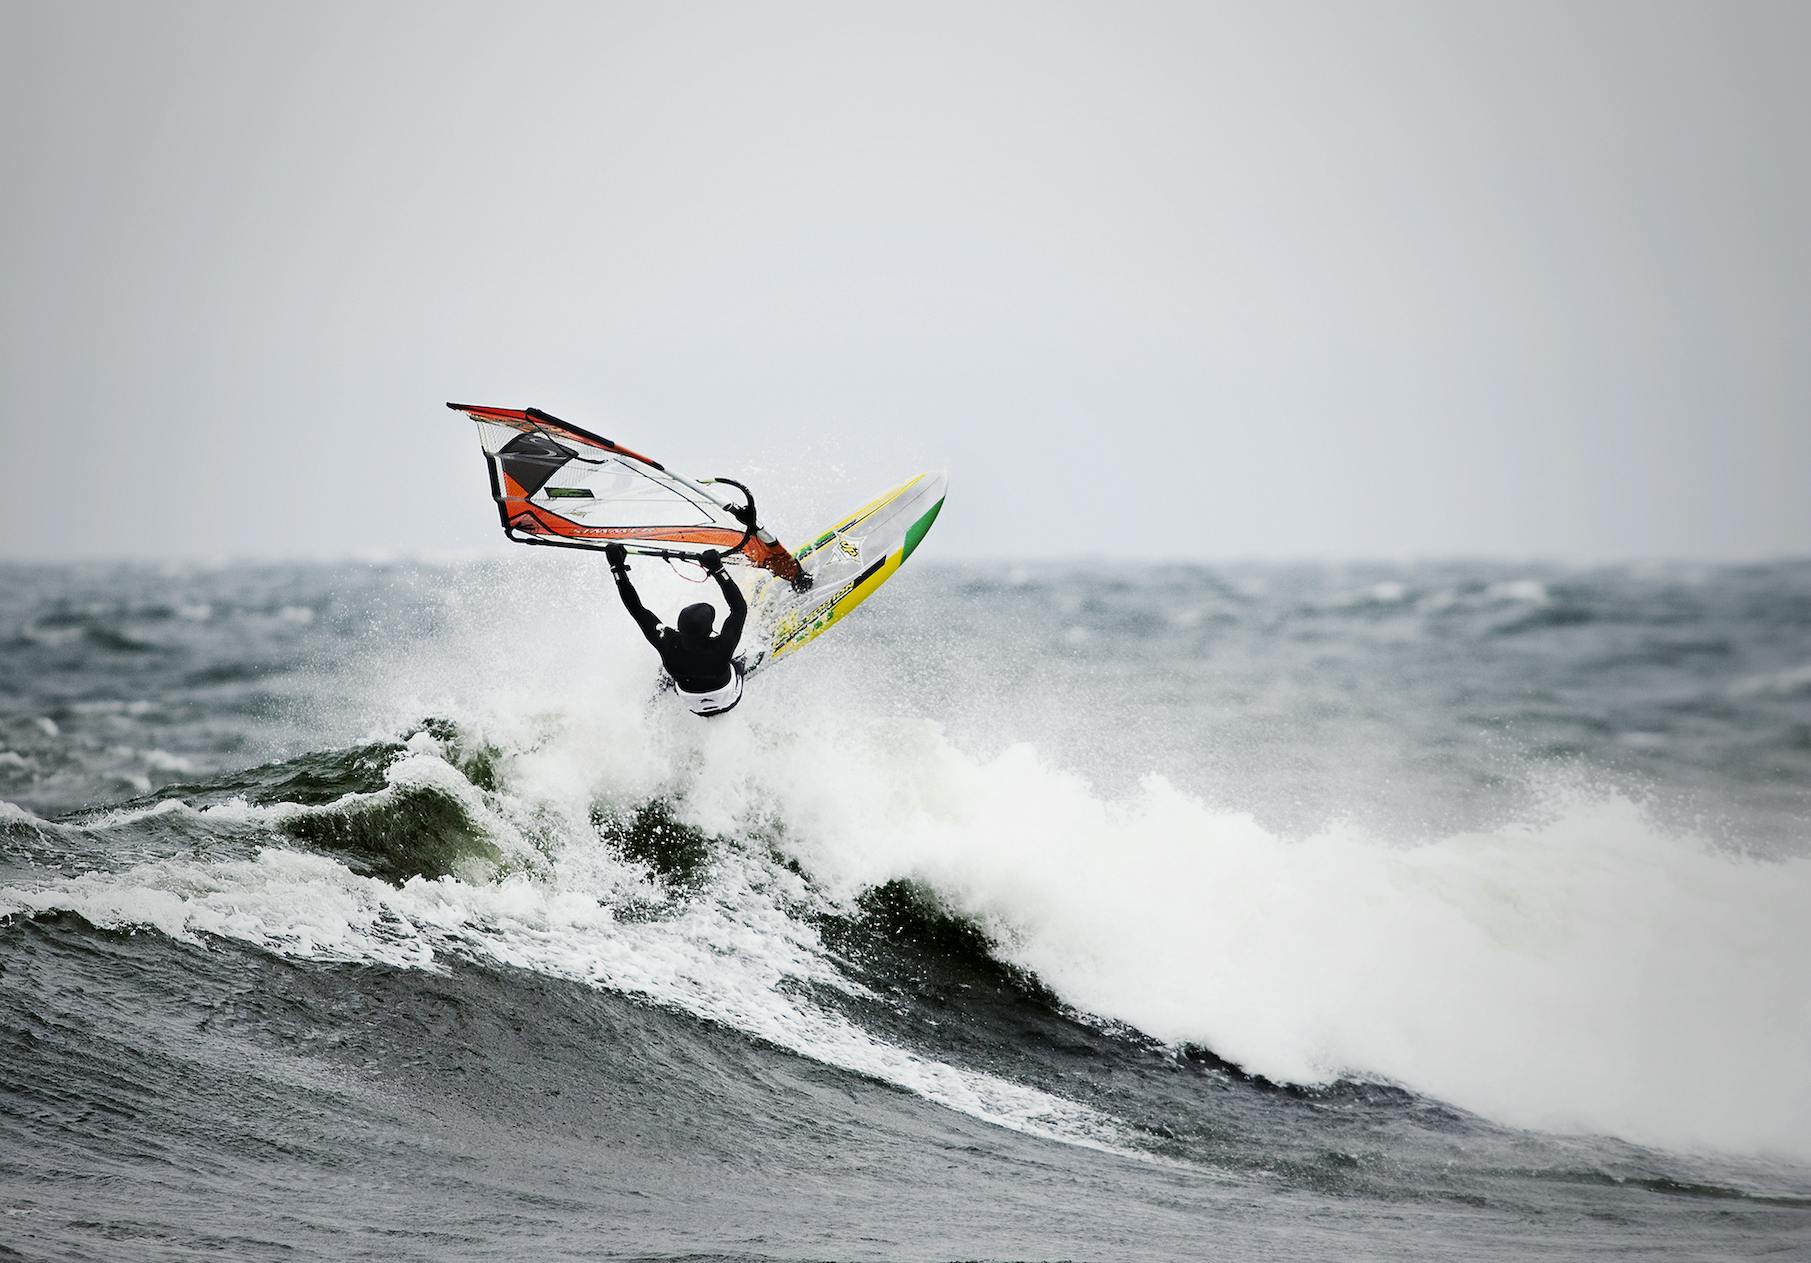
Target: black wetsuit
{"points": [[698, 664]]}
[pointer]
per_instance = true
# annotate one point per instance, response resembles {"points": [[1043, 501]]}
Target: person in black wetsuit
{"points": [[702, 666]]}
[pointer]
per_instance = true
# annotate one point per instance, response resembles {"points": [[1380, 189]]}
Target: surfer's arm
{"points": [[644, 619], [738, 606]]}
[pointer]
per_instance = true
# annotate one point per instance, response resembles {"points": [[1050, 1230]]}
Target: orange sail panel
{"points": [[555, 483]]}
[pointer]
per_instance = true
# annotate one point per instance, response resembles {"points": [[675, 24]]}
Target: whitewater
{"points": [[1480, 888]]}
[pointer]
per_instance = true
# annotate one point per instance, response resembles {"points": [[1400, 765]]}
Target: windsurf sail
{"points": [[555, 483]]}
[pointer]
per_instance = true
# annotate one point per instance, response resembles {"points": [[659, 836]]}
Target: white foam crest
{"points": [[164, 761], [13, 811], [1782, 683], [1531, 591], [1591, 973], [116, 817], [113, 706], [1383, 592], [50, 637], [285, 901]]}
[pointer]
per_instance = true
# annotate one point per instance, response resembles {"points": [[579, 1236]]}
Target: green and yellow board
{"points": [[847, 564]]}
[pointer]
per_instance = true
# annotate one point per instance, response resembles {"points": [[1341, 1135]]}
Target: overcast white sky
{"points": [[1227, 280]]}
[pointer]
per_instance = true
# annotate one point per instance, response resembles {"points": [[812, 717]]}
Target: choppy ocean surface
{"points": [[1444, 911]]}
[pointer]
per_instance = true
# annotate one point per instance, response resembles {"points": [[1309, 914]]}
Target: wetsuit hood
{"points": [[695, 621]]}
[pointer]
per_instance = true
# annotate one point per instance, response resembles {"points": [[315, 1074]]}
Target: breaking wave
{"points": [[1588, 973]]}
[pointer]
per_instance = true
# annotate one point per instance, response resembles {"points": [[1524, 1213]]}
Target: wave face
{"points": [[1035, 913]]}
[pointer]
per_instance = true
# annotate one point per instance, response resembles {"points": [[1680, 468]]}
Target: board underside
{"points": [[847, 564]]}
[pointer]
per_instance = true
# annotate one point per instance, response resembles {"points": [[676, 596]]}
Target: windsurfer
{"points": [[702, 664]]}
